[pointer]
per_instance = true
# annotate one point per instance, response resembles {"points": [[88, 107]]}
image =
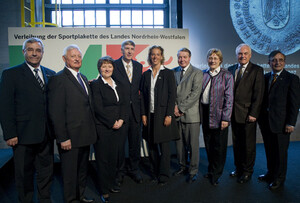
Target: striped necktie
{"points": [[128, 72], [39, 79]]}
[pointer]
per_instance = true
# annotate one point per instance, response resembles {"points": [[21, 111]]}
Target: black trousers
{"points": [[159, 154], [74, 166], [244, 146], [131, 131], [106, 153], [276, 148], [216, 146], [27, 160]]}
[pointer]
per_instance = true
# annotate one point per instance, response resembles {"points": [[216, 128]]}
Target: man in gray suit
{"points": [[189, 84]]}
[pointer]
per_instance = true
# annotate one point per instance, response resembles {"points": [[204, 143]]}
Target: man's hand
{"points": [[144, 120], [177, 113], [251, 119], [289, 129], [12, 142], [66, 145]]}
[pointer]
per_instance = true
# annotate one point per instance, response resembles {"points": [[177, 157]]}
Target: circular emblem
{"points": [[267, 25]]}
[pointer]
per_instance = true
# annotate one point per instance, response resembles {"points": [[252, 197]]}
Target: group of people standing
{"points": [[38, 105]]}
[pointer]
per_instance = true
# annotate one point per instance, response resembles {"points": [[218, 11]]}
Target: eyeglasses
{"points": [[277, 60]]}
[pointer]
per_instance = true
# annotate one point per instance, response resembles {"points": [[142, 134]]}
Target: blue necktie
{"points": [[81, 82]]}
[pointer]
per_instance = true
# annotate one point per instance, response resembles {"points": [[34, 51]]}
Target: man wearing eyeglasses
{"points": [[278, 118]]}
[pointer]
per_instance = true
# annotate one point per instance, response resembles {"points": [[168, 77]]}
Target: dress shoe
{"points": [[137, 178], [86, 200], [244, 179], [215, 182], [119, 180], [276, 185], [192, 178], [162, 180], [104, 199], [115, 190], [234, 174], [181, 171], [265, 178], [208, 175]]}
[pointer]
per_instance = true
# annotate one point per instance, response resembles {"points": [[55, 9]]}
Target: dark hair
{"points": [[184, 50], [150, 51], [105, 59], [274, 53]]}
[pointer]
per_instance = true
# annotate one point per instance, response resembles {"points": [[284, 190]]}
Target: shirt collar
{"points": [[105, 82], [32, 68], [243, 66], [124, 63], [215, 72], [186, 68], [161, 68], [278, 73]]}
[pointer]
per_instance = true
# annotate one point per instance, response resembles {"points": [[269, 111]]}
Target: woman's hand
{"points": [[167, 121], [144, 120]]}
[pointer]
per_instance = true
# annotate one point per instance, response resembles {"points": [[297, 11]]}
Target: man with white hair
{"points": [[71, 113]]}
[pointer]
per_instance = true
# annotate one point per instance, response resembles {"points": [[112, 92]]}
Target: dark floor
{"points": [[177, 190]]}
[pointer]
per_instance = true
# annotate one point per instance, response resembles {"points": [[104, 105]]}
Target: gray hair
{"points": [[238, 48], [70, 47], [127, 42], [184, 49], [33, 40]]}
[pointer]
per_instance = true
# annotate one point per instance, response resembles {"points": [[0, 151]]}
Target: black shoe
{"points": [[181, 171], [86, 200], [234, 174], [104, 199], [162, 180], [244, 178], [119, 180], [115, 190], [137, 178], [208, 175], [276, 185], [215, 182], [265, 177], [192, 178]]}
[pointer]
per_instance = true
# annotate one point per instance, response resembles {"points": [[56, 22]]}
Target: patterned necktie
{"points": [[274, 79], [128, 72], [36, 75], [181, 74], [81, 82]]}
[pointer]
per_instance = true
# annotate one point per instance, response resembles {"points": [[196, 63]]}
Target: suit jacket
{"points": [[107, 108], [281, 102], [70, 110], [23, 104], [248, 94], [131, 89], [188, 93], [164, 104], [221, 97]]}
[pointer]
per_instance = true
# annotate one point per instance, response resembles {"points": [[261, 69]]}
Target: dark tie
{"points": [[38, 78], [81, 82], [239, 75], [181, 74]]}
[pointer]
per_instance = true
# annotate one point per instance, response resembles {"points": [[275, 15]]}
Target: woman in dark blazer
{"points": [[110, 109], [216, 103], [158, 92]]}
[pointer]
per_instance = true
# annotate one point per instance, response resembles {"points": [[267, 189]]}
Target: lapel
{"points": [[122, 71], [187, 74], [177, 75], [45, 76], [279, 80], [75, 82], [30, 77], [247, 72], [206, 79]]}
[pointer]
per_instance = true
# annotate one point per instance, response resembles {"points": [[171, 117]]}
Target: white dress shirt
{"points": [[74, 73], [39, 72], [153, 82]]}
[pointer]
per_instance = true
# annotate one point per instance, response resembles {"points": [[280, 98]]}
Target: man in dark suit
{"points": [[278, 118], [128, 73], [189, 83], [72, 117], [24, 122], [248, 94]]}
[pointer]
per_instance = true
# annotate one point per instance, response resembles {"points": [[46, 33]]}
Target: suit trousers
{"points": [[74, 164], [131, 130], [160, 155], [216, 146], [27, 160], [244, 146], [276, 148], [188, 144], [106, 153]]}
